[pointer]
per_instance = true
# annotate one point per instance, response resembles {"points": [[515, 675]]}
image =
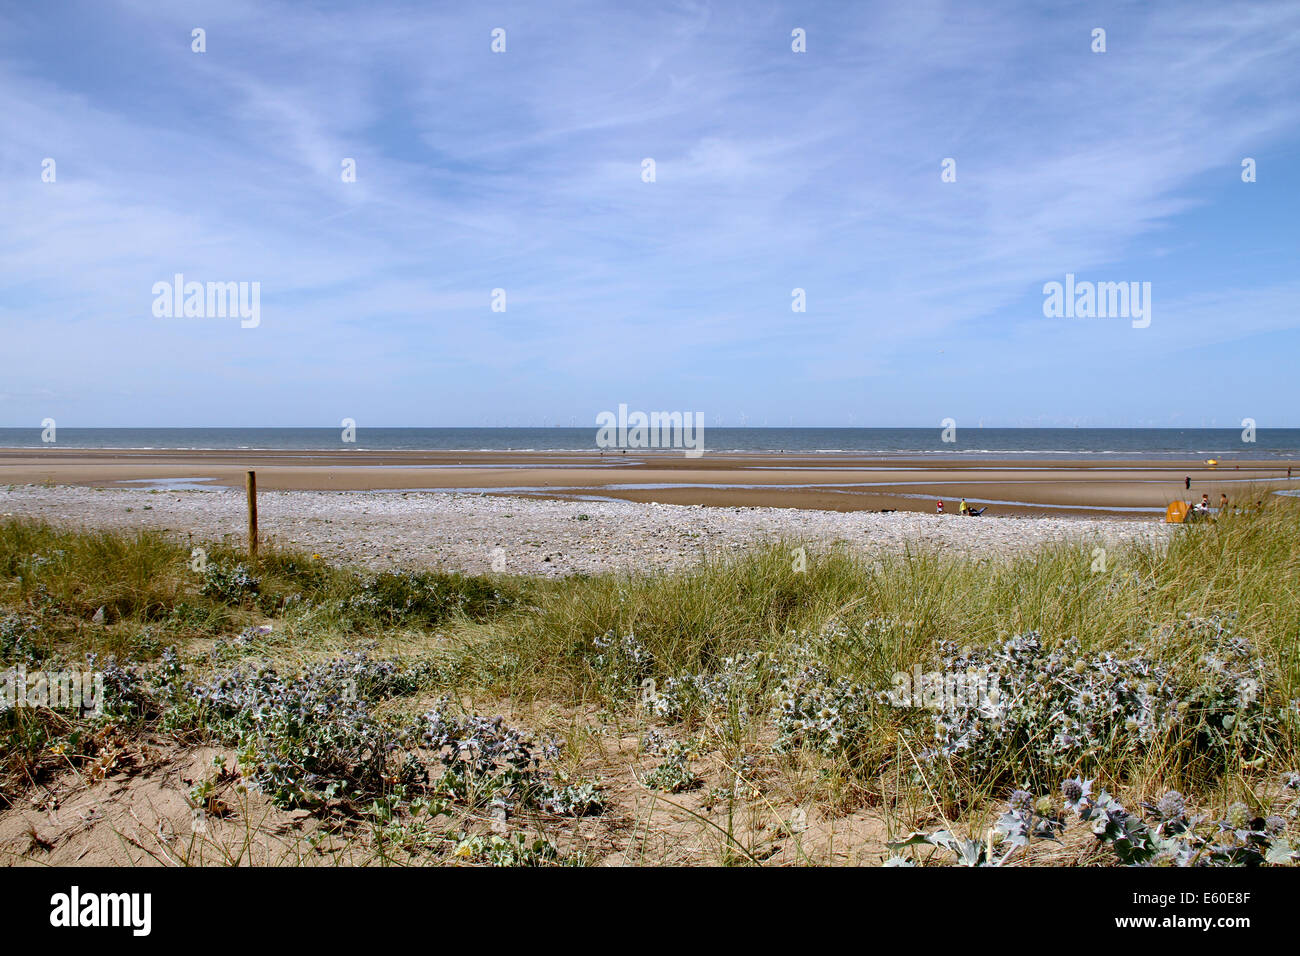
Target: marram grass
{"points": [[1173, 665]]}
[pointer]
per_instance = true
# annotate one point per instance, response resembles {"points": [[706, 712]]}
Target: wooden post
{"points": [[252, 515]]}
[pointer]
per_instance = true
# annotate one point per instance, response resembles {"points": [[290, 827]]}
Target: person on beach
{"points": [[962, 508], [1187, 483], [939, 508], [1223, 502]]}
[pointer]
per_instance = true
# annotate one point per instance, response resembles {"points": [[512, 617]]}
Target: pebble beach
{"points": [[475, 533]]}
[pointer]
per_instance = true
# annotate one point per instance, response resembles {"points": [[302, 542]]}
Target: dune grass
{"points": [[714, 653]]}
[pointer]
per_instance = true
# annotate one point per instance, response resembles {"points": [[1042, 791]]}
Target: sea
{"points": [[1102, 444]]}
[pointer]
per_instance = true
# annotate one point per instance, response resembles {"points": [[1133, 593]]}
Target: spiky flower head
{"points": [[1044, 806], [1021, 801], [1164, 857], [1238, 816], [1171, 806], [1275, 824], [1072, 790]]}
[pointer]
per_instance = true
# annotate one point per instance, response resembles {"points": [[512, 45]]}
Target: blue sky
{"points": [[774, 170]]}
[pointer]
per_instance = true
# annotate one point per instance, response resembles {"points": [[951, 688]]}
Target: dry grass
{"points": [[525, 648]]}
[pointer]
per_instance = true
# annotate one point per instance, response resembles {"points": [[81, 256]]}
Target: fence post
{"points": [[251, 486]]}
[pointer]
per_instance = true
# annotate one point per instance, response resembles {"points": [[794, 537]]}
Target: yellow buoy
{"points": [[1211, 461]]}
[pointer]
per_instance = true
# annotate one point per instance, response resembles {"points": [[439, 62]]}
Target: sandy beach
{"points": [[824, 482], [565, 513]]}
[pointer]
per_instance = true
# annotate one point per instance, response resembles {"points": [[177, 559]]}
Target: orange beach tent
{"points": [[1176, 513]]}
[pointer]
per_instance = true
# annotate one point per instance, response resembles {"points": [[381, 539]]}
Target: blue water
{"points": [[1102, 444]]}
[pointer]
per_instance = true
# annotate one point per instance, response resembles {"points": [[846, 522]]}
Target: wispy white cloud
{"points": [[523, 171]]}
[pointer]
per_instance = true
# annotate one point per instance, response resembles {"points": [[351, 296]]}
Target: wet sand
{"points": [[825, 482]]}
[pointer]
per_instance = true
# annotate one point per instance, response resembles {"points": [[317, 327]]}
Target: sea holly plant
{"points": [[1170, 836], [399, 597], [483, 759], [622, 663], [1025, 819], [229, 584], [1058, 707], [729, 690], [487, 762], [825, 714], [19, 639], [1179, 839], [309, 740], [674, 774], [507, 851], [1131, 839], [317, 738]]}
